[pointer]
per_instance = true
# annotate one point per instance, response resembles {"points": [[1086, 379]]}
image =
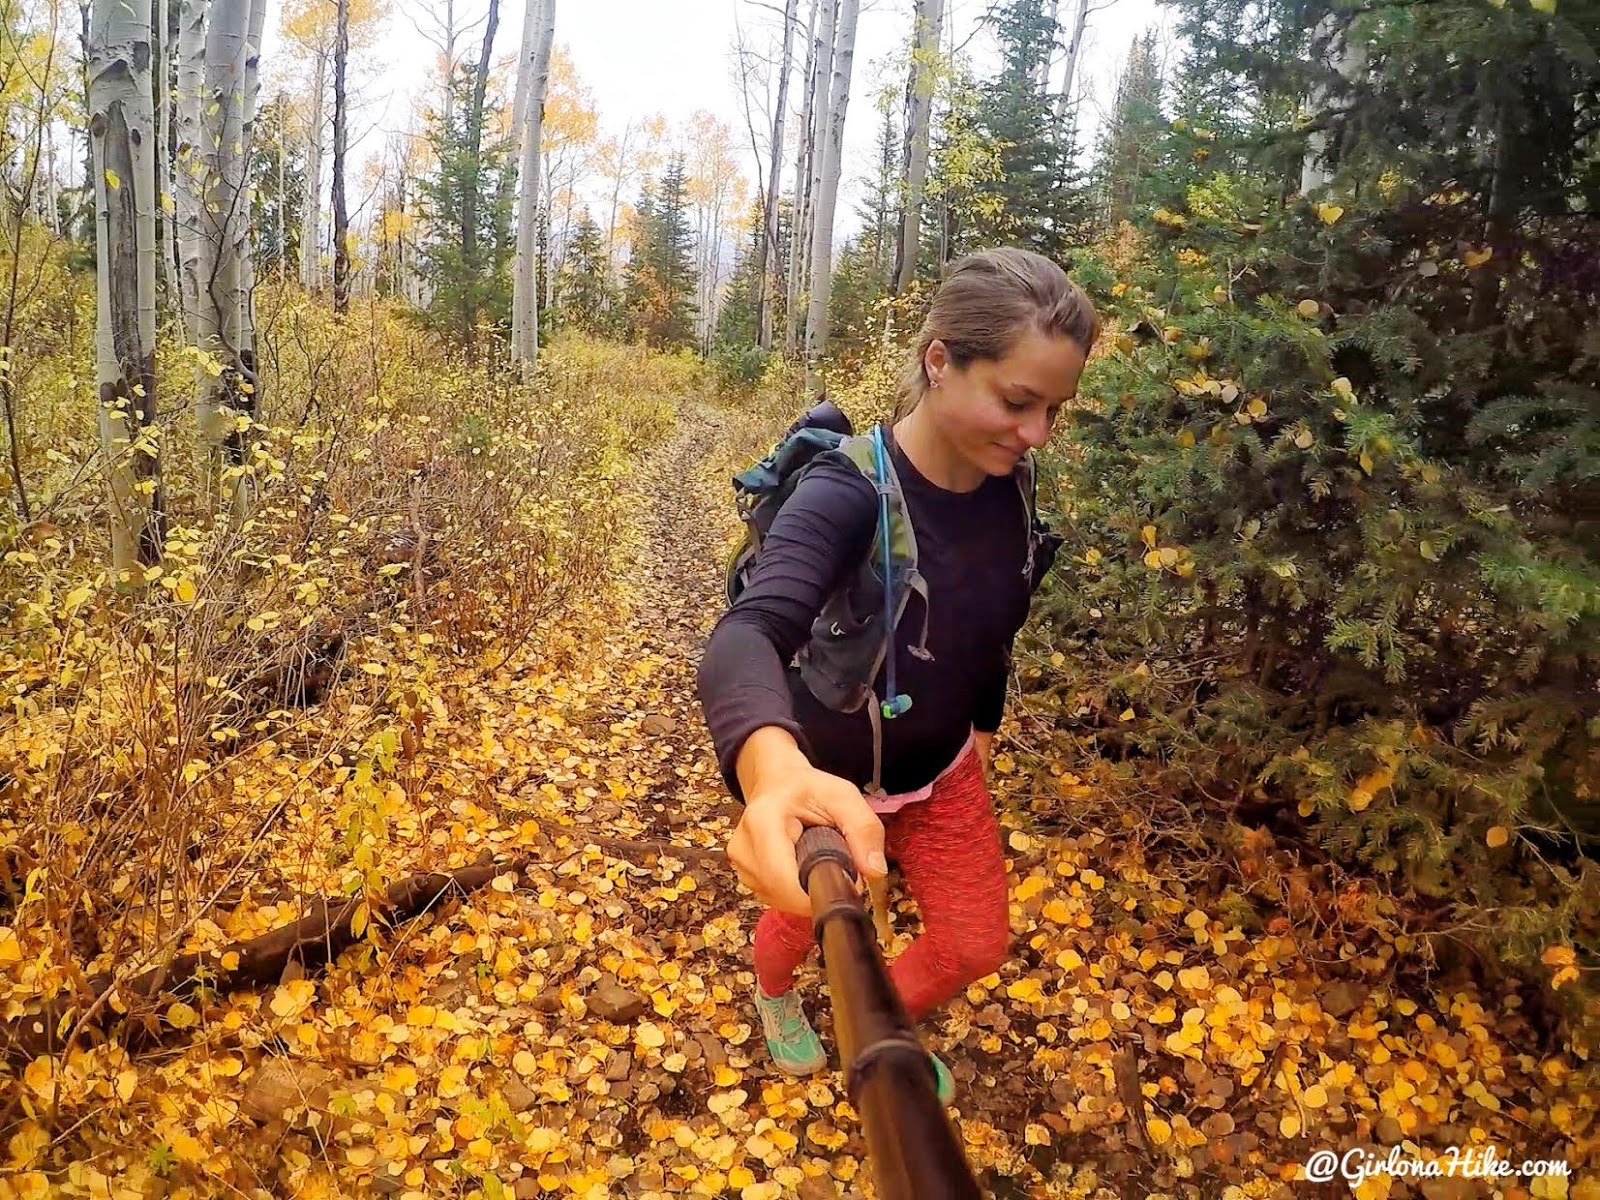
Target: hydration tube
{"points": [[894, 704]]}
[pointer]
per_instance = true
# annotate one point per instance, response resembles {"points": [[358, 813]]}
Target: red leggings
{"points": [[948, 847]]}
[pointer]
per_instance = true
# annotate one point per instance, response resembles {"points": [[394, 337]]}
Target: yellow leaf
{"points": [[1159, 1130], [1497, 836], [181, 1016], [10, 948], [650, 1036], [1329, 213], [1036, 1134], [1148, 536], [1305, 439], [127, 1082], [1257, 407], [112, 181], [292, 998], [1168, 555], [360, 1156], [1558, 956], [1058, 912], [1542, 6], [1476, 258], [1289, 1126], [187, 1148], [1152, 559], [1186, 438], [185, 590], [39, 1077], [1020, 842], [1195, 979], [1366, 462], [1029, 990], [1315, 1096], [1308, 308], [1127, 714], [452, 1081]]}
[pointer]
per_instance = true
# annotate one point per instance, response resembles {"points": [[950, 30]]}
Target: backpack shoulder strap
{"points": [[1026, 473]]}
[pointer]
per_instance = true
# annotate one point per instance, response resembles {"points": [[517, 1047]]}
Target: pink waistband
{"points": [[885, 804]]}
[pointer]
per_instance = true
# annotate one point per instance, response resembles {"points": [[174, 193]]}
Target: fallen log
{"points": [[313, 941]]}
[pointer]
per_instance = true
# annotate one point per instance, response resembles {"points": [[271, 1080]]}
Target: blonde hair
{"points": [[988, 300]]}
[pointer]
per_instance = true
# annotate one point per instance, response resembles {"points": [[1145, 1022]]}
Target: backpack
{"points": [[850, 640]]}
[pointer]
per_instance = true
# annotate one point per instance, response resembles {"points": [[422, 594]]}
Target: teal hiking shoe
{"points": [[795, 1046], [947, 1083]]}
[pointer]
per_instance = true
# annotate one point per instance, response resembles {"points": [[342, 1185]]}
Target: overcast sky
{"points": [[674, 57]]}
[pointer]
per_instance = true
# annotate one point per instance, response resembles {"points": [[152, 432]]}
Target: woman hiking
{"points": [[1000, 352]]}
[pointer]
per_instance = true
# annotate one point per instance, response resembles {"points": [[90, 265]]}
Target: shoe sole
{"points": [[810, 1067]]}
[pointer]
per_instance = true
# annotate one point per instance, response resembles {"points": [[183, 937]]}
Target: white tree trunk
{"points": [[800, 217], [167, 199], [1349, 61], [1042, 84], [820, 116], [122, 143], [311, 211], [929, 17], [525, 284], [53, 186], [224, 225], [525, 54], [247, 397], [188, 167], [1069, 77], [767, 250], [833, 154]]}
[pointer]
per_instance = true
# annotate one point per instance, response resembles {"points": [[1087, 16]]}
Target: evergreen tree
{"points": [[864, 274], [659, 282], [469, 285], [278, 175], [1037, 201], [1134, 137], [584, 292], [1357, 433], [736, 321]]}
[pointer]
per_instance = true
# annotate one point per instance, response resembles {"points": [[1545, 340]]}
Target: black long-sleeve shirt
{"points": [[971, 547]]}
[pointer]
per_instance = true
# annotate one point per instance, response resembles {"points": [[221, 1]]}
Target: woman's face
{"points": [[993, 412]]}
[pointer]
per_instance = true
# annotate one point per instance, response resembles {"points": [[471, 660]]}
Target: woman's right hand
{"points": [[783, 794]]}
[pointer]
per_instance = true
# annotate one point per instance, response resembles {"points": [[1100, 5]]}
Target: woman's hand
{"points": [[783, 794]]}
